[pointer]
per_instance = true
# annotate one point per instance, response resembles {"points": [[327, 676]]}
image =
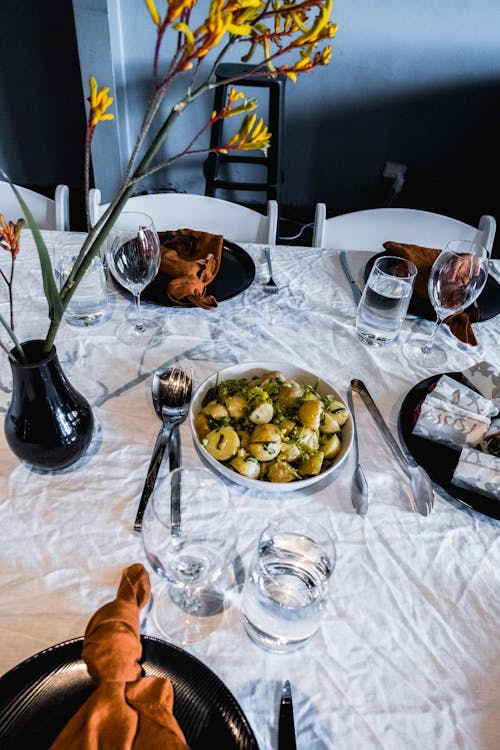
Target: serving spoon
{"points": [[359, 486], [422, 494]]}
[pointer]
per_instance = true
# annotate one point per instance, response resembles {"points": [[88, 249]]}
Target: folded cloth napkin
{"points": [[486, 378], [126, 710], [423, 258], [449, 424], [193, 261], [454, 414], [478, 471], [459, 394]]}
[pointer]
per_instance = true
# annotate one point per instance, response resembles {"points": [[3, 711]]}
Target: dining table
{"points": [[407, 655]]}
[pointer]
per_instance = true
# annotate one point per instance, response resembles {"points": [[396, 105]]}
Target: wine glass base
{"points": [[182, 627], [128, 333], [416, 351]]}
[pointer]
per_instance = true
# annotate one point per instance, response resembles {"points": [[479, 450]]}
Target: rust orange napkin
{"points": [[423, 258], [193, 260], [126, 711]]}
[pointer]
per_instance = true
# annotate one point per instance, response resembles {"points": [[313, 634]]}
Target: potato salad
{"points": [[271, 428]]}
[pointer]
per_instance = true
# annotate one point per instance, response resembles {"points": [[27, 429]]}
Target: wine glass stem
{"points": [[189, 600], [139, 326], [427, 347]]}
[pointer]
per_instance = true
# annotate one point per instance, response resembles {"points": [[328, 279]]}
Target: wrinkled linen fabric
{"points": [[408, 653], [126, 711]]}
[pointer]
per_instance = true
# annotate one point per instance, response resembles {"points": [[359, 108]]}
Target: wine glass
{"points": [[192, 556], [456, 280], [134, 259]]}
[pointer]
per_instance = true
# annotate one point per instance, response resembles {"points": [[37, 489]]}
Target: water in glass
{"points": [[384, 303], [287, 589]]}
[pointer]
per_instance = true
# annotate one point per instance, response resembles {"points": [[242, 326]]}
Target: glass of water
{"points": [[385, 299], [287, 587]]}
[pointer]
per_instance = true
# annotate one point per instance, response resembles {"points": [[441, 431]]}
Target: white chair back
{"points": [[171, 211], [48, 213], [367, 230]]}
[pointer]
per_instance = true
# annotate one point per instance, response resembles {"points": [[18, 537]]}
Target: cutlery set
{"points": [[171, 393]]}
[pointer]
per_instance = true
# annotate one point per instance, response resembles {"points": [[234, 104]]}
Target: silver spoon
{"points": [[359, 486], [171, 394], [422, 497]]}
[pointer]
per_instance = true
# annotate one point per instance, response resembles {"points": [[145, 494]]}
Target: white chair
{"points": [[368, 230], [48, 213], [203, 213]]}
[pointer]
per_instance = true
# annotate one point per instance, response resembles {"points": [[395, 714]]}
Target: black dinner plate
{"points": [[487, 305], [438, 460], [40, 695], [236, 273]]}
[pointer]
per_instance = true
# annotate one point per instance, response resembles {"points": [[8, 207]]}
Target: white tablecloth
{"points": [[408, 655]]}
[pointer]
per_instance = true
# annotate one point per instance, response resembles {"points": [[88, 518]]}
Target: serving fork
{"points": [[171, 393]]}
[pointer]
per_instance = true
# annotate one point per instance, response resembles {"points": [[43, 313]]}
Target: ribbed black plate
{"points": [[40, 695], [438, 460], [236, 273]]}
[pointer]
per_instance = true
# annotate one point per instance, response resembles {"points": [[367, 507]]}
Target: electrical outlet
{"points": [[392, 169], [396, 172]]}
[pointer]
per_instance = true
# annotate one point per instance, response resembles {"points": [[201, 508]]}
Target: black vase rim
{"points": [[33, 348]]}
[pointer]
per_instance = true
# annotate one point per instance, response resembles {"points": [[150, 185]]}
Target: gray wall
{"points": [[415, 83]]}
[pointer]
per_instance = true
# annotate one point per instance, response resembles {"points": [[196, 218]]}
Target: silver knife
{"points": [[356, 292], [174, 461], [286, 726]]}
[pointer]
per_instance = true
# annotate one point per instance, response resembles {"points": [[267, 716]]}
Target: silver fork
{"points": [[171, 394], [270, 285]]}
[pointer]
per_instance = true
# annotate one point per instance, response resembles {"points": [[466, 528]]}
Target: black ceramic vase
{"points": [[48, 424]]}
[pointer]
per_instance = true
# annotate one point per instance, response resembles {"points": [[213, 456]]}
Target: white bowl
{"points": [[247, 370]]}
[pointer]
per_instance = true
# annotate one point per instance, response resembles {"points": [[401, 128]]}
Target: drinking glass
{"points": [[287, 588], [134, 259], [191, 556], [456, 280], [90, 300], [385, 299]]}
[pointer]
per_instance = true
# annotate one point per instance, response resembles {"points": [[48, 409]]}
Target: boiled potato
{"points": [[331, 446], [281, 471], [308, 438], [338, 410], [289, 393], [329, 423], [286, 426], [248, 466], [244, 437], [262, 413], [216, 411], [236, 406], [289, 451], [266, 433], [264, 451], [222, 443], [201, 425], [309, 413], [311, 466]]}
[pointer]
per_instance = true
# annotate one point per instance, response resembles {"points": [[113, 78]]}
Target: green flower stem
{"points": [[100, 232], [10, 331]]}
